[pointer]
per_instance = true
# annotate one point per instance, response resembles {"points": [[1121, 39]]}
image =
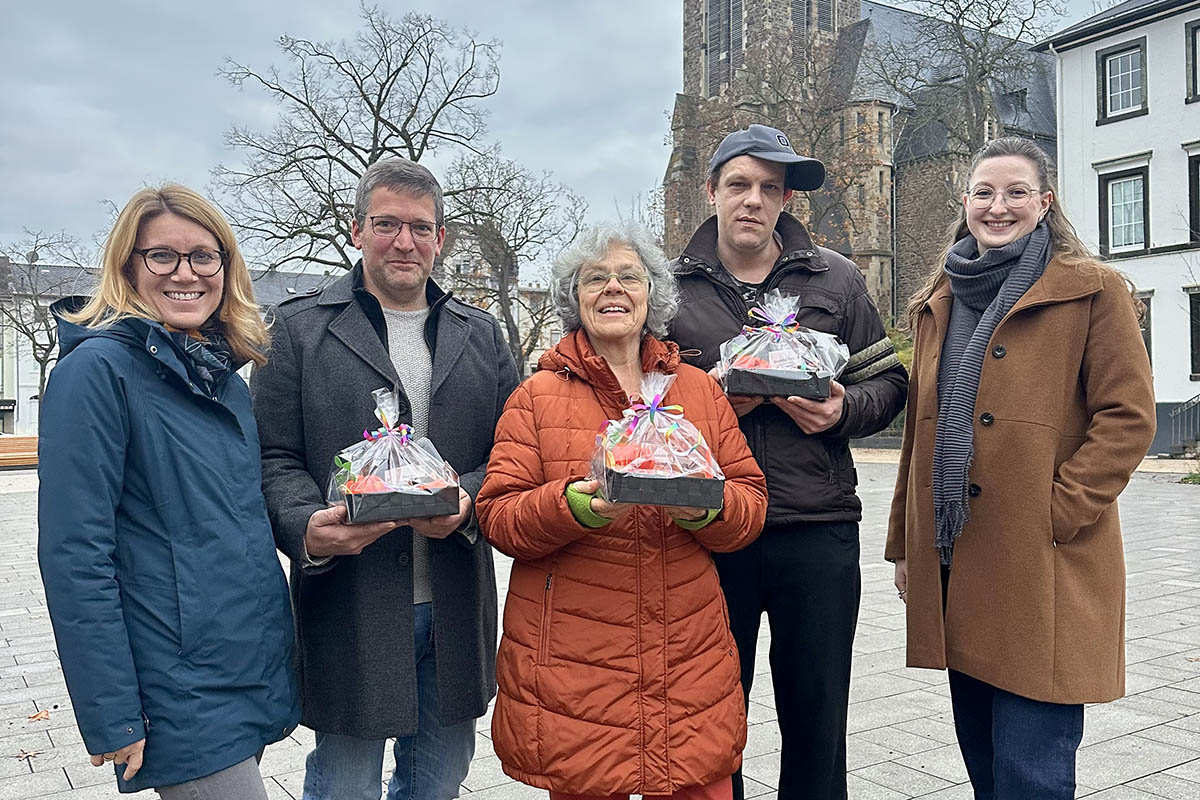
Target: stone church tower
{"points": [[720, 39]]}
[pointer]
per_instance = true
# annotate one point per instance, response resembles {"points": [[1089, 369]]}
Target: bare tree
{"points": [[401, 88], [505, 217], [964, 55], [29, 284]]}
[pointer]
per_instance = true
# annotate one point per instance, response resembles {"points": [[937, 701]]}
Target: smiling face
{"points": [[998, 224], [614, 311], [183, 299], [395, 268], [748, 198]]}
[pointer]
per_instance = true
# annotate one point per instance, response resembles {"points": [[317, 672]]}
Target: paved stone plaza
{"points": [[901, 743]]}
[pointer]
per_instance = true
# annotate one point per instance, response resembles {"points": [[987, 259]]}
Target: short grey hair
{"points": [[399, 175], [589, 248]]}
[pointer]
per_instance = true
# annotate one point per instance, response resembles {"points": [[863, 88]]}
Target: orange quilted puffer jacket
{"points": [[617, 671]]}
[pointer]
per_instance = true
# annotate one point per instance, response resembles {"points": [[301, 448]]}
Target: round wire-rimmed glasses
{"points": [[1014, 196]]}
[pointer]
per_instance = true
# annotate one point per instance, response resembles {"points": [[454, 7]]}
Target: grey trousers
{"points": [[239, 782]]}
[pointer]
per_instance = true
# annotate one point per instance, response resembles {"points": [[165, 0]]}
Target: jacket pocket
{"points": [[544, 633]]}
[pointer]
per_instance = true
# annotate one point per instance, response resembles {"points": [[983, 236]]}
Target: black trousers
{"points": [[806, 578]]}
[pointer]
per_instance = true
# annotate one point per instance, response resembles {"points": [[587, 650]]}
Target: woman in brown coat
{"points": [[1030, 404], [617, 671]]}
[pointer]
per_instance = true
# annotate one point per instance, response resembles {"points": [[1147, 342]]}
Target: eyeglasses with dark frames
{"points": [[165, 260], [389, 228]]}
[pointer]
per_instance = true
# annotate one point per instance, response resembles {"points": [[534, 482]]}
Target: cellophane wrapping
{"points": [[391, 474], [775, 356], [655, 456]]}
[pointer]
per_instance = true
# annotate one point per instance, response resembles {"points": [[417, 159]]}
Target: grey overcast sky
{"points": [[98, 99]]}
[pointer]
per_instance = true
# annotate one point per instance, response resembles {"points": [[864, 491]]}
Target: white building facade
{"points": [[1129, 170]]}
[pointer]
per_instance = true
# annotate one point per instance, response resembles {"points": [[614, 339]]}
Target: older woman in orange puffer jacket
{"points": [[617, 671]]}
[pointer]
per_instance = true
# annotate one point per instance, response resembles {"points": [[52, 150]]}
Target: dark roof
{"points": [[57, 280], [1026, 105], [1109, 19]]}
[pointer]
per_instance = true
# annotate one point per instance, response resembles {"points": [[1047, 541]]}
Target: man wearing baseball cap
{"points": [[803, 570]]}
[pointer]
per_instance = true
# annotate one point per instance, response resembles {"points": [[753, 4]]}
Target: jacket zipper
{"points": [[544, 638]]}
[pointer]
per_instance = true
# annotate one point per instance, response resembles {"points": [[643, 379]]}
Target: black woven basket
{"points": [[383, 506], [688, 492], [776, 383]]}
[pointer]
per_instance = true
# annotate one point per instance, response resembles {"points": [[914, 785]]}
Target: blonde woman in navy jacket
{"points": [[168, 602]]}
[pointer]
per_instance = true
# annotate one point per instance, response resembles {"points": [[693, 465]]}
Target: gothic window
{"points": [[723, 42], [825, 15]]}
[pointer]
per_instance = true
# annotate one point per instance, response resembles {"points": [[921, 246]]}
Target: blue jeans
{"points": [[1015, 748], [430, 764]]}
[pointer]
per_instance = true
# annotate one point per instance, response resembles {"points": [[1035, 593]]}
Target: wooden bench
{"points": [[18, 451]]}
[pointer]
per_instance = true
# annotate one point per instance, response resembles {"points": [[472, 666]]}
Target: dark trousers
{"points": [[806, 578], [1014, 747]]}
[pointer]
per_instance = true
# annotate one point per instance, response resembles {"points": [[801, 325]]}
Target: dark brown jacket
{"points": [[1064, 413]]}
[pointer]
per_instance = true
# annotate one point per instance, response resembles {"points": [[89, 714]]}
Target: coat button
{"points": [[998, 351], [402, 559], [153, 350], [129, 730], [986, 418], [974, 490]]}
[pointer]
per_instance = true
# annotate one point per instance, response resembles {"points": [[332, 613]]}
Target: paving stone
{"points": [[900, 778], [1189, 771], [752, 788], [1165, 785], [901, 742], [1121, 793], [863, 789], [1127, 758], [485, 773], [34, 784], [1169, 734], [943, 762]]}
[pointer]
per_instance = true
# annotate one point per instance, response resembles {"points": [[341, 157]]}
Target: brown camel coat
{"points": [[1064, 413], [617, 670]]}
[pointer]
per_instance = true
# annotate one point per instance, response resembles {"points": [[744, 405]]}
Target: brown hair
{"points": [[1065, 245], [115, 298]]}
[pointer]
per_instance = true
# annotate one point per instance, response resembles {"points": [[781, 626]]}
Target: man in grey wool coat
{"points": [[395, 621]]}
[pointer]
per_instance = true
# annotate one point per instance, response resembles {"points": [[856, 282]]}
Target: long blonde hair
{"points": [[115, 298], [1065, 245]]}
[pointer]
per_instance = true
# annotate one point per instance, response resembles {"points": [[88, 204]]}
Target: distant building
{"points": [[907, 195], [1129, 173], [34, 287], [462, 271]]}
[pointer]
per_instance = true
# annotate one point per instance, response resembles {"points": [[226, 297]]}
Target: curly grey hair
{"points": [[589, 248], [399, 175]]}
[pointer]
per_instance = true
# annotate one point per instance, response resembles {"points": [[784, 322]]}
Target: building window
{"points": [[1192, 43], [800, 36], [825, 14], [1194, 324], [1124, 212], [1144, 323], [882, 118], [1194, 197], [723, 42], [842, 130], [862, 128], [1121, 82]]}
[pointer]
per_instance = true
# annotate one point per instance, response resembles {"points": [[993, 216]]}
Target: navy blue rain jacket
{"points": [[169, 605]]}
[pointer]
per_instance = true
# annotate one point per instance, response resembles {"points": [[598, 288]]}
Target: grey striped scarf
{"points": [[985, 288]]}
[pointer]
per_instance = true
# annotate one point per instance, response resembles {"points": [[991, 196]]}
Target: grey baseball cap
{"points": [[771, 144]]}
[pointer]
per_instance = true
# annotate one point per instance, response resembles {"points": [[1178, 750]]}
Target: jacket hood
{"points": [[574, 353], [72, 334]]}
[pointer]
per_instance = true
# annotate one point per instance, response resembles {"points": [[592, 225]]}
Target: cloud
{"points": [[100, 99]]}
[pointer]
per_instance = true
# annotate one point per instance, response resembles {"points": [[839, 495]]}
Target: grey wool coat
{"points": [[354, 624]]}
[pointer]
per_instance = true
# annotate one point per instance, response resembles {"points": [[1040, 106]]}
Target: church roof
{"points": [[1025, 105]]}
